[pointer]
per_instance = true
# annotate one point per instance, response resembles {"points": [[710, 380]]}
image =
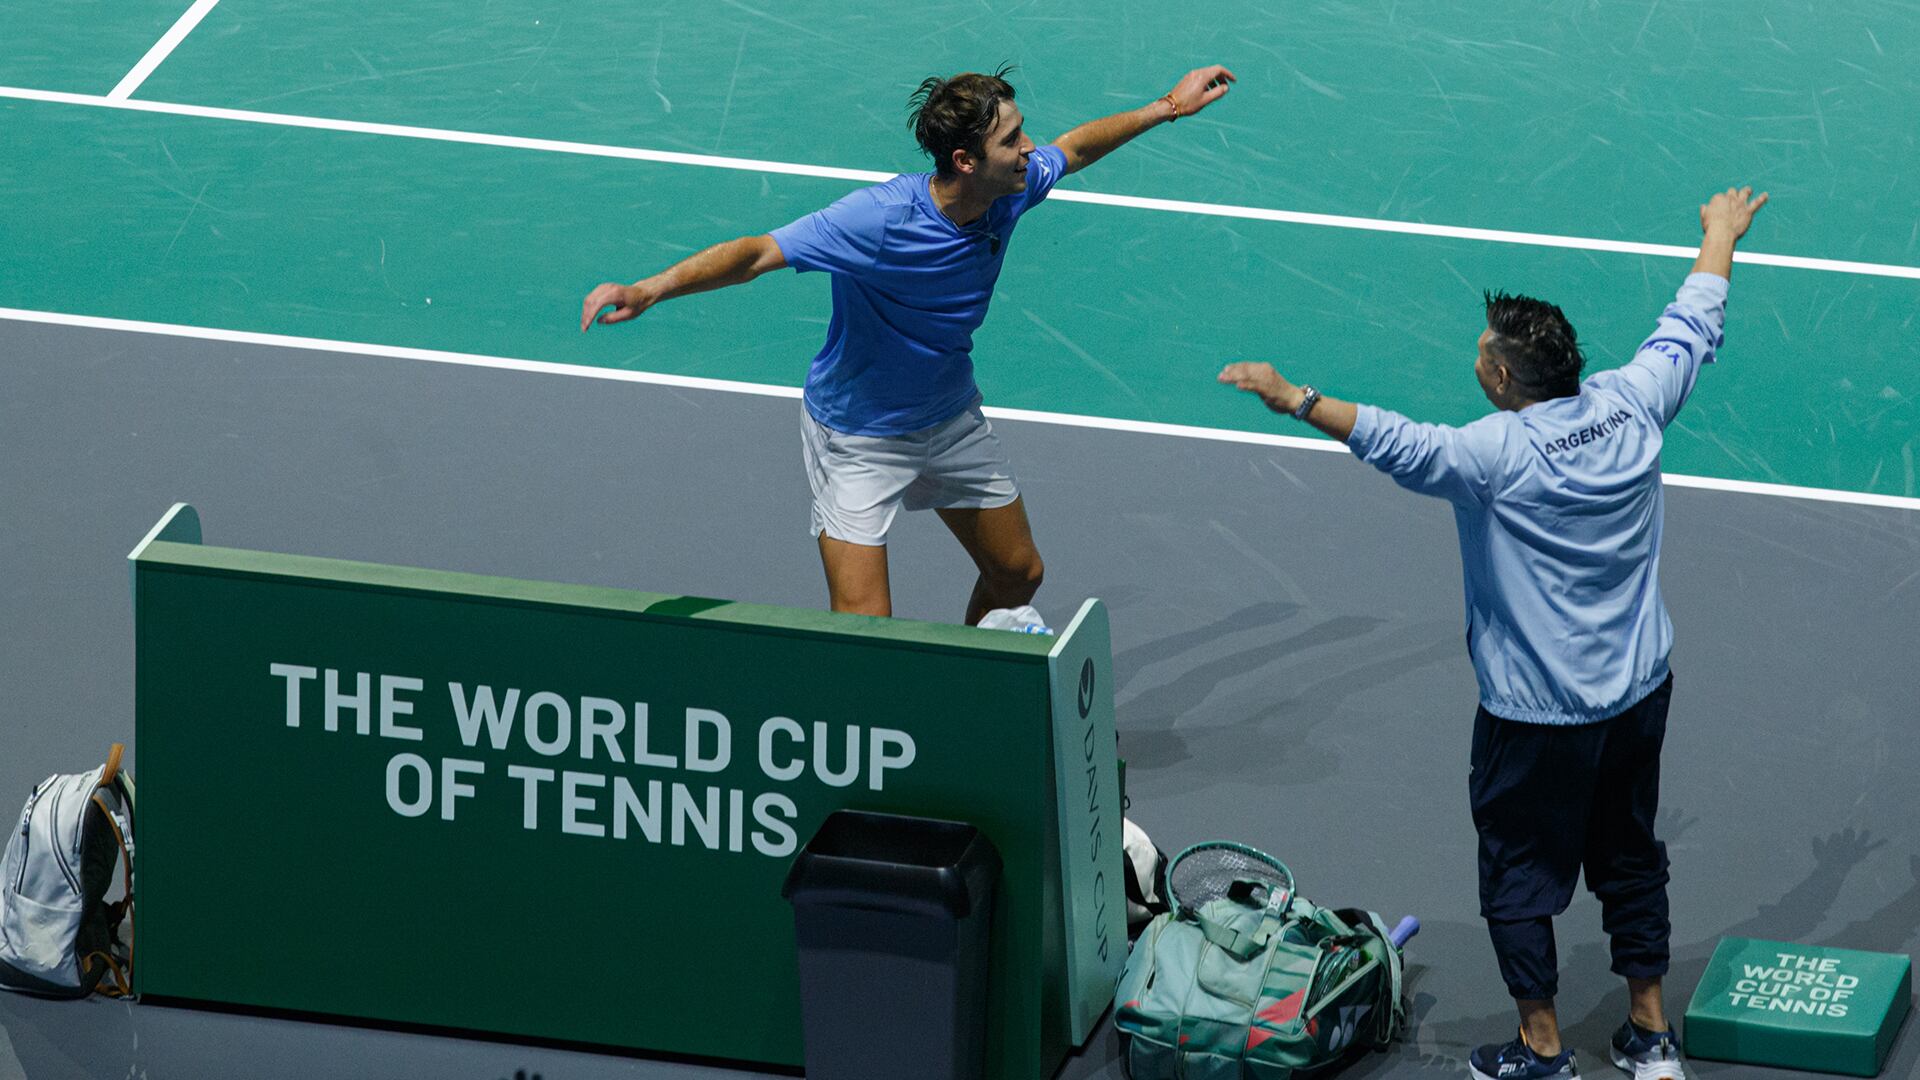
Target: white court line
{"points": [[1144, 427], [161, 50], [1293, 217]]}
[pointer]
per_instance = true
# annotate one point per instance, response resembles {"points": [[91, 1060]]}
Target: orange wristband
{"points": [[1171, 104]]}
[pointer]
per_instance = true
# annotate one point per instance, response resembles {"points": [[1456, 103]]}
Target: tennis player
{"points": [[892, 414], [1558, 502]]}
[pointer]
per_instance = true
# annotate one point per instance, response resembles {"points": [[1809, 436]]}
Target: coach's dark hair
{"points": [[955, 114], [1537, 344]]}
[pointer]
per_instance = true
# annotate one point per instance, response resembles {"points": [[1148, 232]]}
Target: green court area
{"points": [[79, 46], [1611, 123]]}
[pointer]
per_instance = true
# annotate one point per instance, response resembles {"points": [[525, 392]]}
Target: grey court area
{"points": [[1288, 633]]}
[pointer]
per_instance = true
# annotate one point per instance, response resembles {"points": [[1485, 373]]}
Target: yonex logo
{"points": [[1349, 1022]]}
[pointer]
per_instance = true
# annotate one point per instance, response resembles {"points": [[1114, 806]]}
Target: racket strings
{"points": [[1213, 873]]}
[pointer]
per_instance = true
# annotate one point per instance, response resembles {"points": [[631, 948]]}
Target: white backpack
{"points": [[58, 934], [1144, 876]]}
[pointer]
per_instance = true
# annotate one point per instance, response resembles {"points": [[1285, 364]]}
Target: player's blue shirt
{"points": [[1559, 509], [909, 289]]}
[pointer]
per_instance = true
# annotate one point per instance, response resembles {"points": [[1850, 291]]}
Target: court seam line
{"points": [[162, 49], [1135, 202], [1141, 427]]}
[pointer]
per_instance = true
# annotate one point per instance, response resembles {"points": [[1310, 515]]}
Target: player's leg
{"points": [[969, 481], [1000, 542], [856, 576], [857, 483]]}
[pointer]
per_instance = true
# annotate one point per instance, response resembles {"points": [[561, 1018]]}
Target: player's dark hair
{"points": [[1537, 344], [955, 114]]}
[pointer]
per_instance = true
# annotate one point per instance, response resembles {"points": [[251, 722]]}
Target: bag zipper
{"points": [[59, 857], [26, 840]]}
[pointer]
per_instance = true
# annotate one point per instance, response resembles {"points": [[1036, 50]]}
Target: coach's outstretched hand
{"points": [[625, 300], [1328, 414], [1259, 378], [1731, 211], [1724, 220], [1200, 88]]}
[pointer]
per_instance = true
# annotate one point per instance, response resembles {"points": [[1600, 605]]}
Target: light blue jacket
{"points": [[1559, 508]]}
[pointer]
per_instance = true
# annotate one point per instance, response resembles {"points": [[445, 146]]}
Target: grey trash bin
{"points": [[892, 915]]}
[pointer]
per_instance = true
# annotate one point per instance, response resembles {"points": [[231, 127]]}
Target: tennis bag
{"points": [[58, 934], [1245, 980]]}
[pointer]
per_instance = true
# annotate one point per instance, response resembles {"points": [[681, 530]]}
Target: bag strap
{"points": [[123, 911], [1243, 945], [111, 776], [120, 986], [1396, 1013], [123, 784], [120, 837], [111, 770]]}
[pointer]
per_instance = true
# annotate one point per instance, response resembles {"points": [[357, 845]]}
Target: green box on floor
{"points": [[1799, 1006]]}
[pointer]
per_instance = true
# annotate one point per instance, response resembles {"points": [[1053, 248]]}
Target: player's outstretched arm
{"points": [[1331, 415], [735, 262], [1096, 139], [1724, 220]]}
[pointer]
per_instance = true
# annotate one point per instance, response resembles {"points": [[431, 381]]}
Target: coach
{"points": [[1558, 501]]}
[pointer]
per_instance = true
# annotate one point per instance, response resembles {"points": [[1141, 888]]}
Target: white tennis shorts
{"points": [[861, 481]]}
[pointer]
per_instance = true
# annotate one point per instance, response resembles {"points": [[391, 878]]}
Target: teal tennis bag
{"points": [[1245, 980]]}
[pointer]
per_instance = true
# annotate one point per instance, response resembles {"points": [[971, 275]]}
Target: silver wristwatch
{"points": [[1309, 397]]}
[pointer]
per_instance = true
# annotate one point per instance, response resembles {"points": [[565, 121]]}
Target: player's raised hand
{"points": [[1200, 88], [625, 300], [1258, 378], [1731, 211]]}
